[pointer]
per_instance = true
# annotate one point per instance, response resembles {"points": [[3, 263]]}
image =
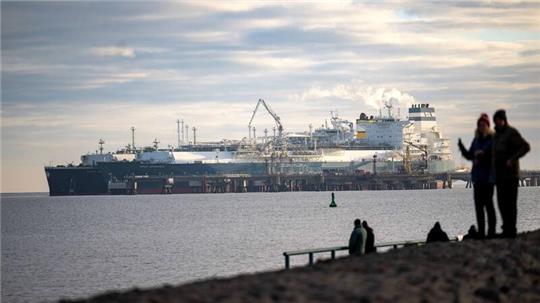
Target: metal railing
{"points": [[332, 250]]}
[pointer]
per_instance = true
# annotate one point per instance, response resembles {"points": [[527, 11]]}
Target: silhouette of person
{"points": [[357, 241], [436, 234], [508, 147], [471, 234], [480, 154], [370, 239]]}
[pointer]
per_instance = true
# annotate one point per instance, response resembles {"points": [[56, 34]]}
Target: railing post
{"points": [[310, 258], [333, 254], [287, 265]]}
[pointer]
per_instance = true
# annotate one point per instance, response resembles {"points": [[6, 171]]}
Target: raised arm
{"points": [[466, 153]]}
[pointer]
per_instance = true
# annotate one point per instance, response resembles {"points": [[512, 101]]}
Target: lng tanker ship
{"points": [[343, 147]]}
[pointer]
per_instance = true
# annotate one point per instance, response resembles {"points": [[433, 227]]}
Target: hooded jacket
{"points": [[508, 145]]}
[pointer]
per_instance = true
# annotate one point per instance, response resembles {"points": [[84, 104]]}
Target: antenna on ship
{"points": [[101, 142], [133, 138], [311, 133], [178, 131], [182, 122], [389, 106]]}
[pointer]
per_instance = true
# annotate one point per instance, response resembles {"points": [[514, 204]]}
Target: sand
{"points": [[498, 270]]}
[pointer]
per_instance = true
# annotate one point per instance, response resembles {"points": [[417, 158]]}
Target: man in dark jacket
{"points": [[508, 147], [357, 241], [436, 234]]}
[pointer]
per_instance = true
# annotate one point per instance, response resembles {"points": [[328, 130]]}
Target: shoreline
{"points": [[498, 270]]}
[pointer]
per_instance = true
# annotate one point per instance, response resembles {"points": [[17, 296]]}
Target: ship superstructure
{"points": [[426, 140], [385, 143]]}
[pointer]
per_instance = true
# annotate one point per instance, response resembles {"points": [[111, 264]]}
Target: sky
{"points": [[76, 72]]}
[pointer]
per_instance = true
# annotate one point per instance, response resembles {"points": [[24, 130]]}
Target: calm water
{"points": [[55, 247]]}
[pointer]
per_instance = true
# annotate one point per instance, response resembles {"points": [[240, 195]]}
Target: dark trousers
{"points": [[507, 191], [483, 200]]}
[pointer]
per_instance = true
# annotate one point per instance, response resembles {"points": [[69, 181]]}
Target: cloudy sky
{"points": [[75, 72]]}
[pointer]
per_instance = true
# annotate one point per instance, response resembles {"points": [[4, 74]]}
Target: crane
{"points": [[272, 113], [421, 148]]}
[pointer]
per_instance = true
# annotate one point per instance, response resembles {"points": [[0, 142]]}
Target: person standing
{"points": [[370, 238], [357, 241], [480, 154], [508, 147]]}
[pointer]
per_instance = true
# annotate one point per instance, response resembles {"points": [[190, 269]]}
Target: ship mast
{"points": [[133, 138], [389, 107], [101, 142], [182, 128], [178, 131]]}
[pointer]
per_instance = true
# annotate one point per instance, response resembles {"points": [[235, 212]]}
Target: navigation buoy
{"points": [[333, 203]]}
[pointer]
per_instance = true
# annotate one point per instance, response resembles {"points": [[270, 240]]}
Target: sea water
{"points": [[77, 246]]}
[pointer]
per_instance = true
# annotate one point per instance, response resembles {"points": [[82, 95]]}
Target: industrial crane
{"points": [[272, 113], [421, 148]]}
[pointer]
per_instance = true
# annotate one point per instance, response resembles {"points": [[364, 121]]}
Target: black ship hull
{"points": [[76, 181], [138, 177]]}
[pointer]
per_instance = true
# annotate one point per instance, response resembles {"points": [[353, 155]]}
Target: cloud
{"points": [[229, 6], [210, 36], [272, 61], [113, 51], [110, 79]]}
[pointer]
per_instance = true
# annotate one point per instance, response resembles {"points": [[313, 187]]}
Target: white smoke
{"points": [[378, 97], [373, 97]]}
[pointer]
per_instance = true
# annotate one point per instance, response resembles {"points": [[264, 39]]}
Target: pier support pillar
{"points": [[449, 180]]}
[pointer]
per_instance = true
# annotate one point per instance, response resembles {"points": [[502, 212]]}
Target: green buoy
{"points": [[333, 203]]}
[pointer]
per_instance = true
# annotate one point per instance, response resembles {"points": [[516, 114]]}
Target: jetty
{"points": [[238, 183]]}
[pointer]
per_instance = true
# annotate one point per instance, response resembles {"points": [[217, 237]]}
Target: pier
{"points": [[237, 183]]}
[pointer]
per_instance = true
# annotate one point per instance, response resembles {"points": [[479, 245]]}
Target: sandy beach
{"points": [[498, 270]]}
